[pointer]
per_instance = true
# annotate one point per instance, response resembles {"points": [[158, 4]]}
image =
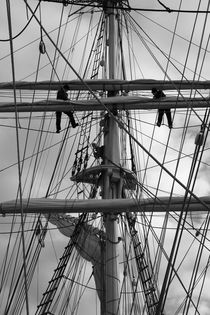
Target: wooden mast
{"points": [[110, 189]]}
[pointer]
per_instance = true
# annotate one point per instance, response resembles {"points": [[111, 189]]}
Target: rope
{"points": [[164, 288], [24, 28], [158, 63], [18, 154], [158, 256]]}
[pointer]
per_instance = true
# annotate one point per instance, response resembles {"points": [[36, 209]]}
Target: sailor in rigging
{"points": [[158, 94], [63, 95]]}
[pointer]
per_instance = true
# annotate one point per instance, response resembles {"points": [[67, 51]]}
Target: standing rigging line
{"points": [[81, 158], [166, 256], [25, 149], [158, 256], [164, 168], [197, 150], [145, 270], [167, 8], [29, 268], [47, 298], [179, 278], [98, 48], [199, 52], [18, 155], [187, 190], [24, 28], [21, 171], [56, 163], [207, 111], [168, 30], [151, 298], [202, 274], [121, 47], [158, 63], [86, 42], [194, 274], [58, 169], [204, 277], [53, 72], [43, 121], [131, 49], [119, 123], [16, 297], [27, 137], [178, 235], [95, 40], [73, 43]]}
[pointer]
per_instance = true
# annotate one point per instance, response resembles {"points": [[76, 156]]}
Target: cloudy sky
{"points": [[155, 42]]}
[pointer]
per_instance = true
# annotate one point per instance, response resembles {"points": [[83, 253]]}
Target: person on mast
{"points": [[63, 95], [157, 94]]}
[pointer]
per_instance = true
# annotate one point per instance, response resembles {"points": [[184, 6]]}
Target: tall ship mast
{"points": [[104, 116]]}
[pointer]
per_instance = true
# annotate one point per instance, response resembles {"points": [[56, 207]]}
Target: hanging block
{"points": [[199, 139]]}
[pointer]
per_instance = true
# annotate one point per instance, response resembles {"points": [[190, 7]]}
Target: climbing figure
{"points": [[98, 152], [158, 94], [63, 95]]}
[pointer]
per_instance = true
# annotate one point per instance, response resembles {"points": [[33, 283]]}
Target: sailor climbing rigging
{"points": [[63, 95], [158, 94]]}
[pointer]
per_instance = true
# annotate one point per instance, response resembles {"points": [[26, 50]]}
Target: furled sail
{"points": [[120, 102], [109, 85], [87, 243], [161, 204]]}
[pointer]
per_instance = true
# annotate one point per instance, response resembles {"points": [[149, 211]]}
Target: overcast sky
{"points": [[161, 32]]}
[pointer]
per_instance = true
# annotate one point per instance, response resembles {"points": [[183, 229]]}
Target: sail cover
{"points": [[87, 243]]}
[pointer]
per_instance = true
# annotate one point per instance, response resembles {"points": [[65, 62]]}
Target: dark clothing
{"points": [[63, 95], [58, 119], [158, 94], [168, 115]]}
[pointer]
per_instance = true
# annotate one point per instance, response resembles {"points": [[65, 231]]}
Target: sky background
{"points": [[26, 56]]}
